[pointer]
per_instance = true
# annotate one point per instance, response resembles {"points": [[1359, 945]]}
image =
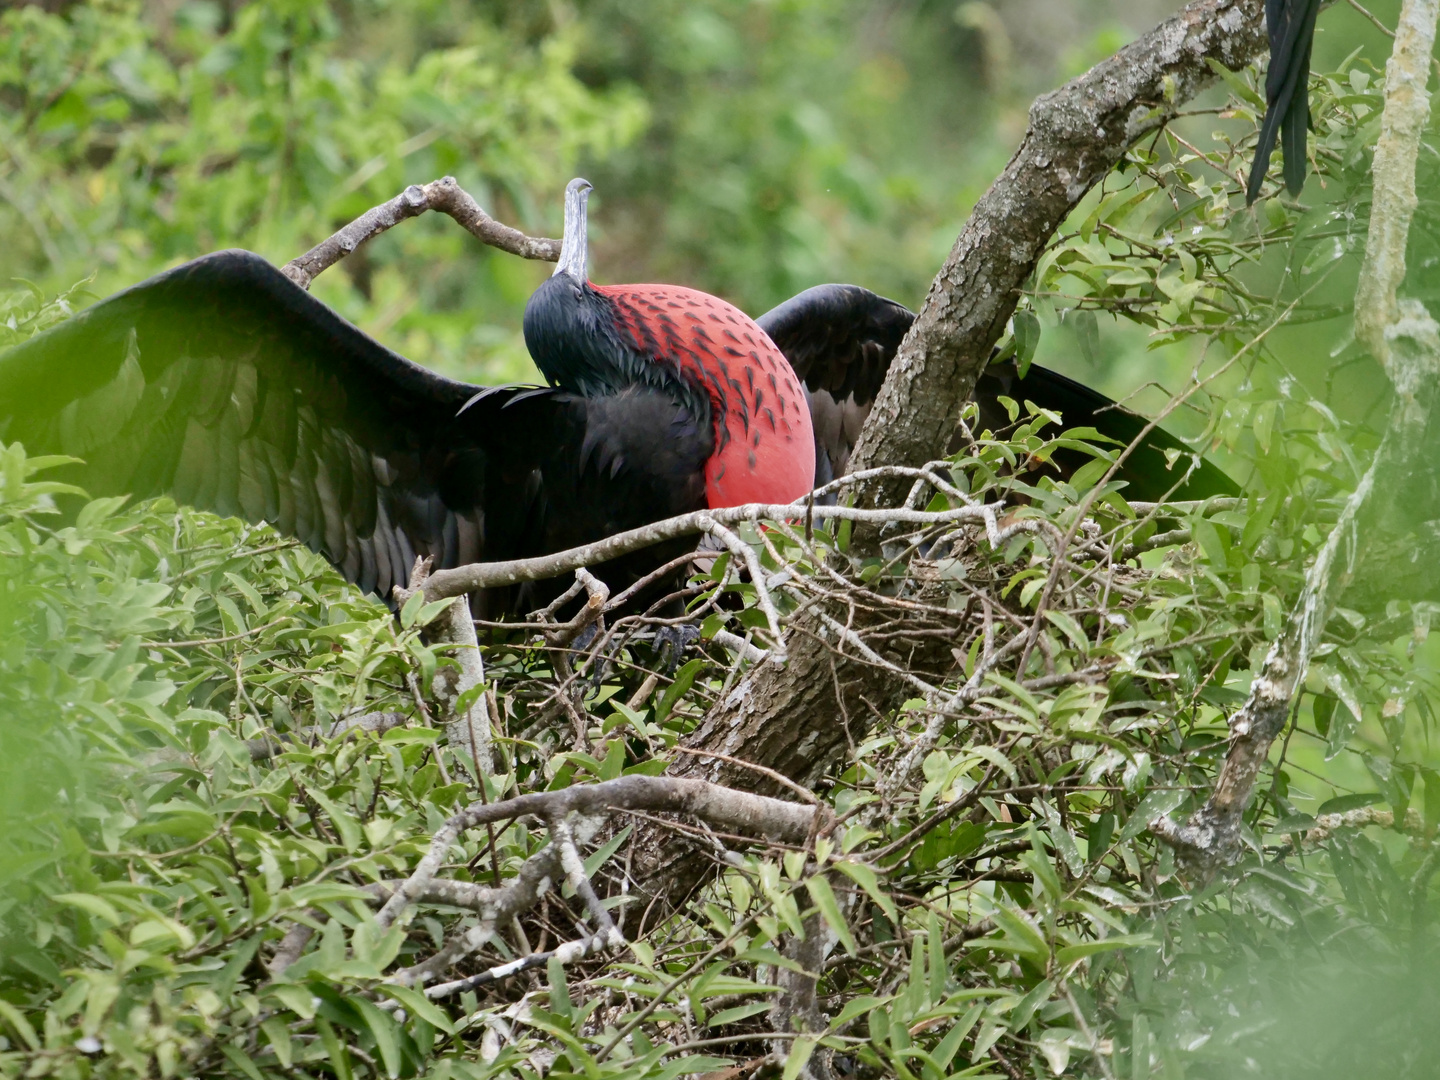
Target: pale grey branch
{"points": [[443, 195], [1407, 340]]}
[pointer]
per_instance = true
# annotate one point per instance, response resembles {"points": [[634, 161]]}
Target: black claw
{"points": [[671, 642], [599, 665]]}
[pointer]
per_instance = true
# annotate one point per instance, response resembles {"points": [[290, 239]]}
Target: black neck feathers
{"points": [[575, 337]]}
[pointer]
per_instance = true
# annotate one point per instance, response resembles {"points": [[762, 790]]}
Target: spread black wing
{"points": [[841, 339], [1147, 472], [1290, 25], [225, 385]]}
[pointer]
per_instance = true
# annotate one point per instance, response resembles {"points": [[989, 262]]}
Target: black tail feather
{"points": [[1291, 27]]}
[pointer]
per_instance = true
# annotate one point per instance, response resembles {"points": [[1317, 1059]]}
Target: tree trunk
{"points": [[791, 719]]}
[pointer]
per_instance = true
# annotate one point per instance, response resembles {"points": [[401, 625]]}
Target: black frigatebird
{"points": [[228, 387]]}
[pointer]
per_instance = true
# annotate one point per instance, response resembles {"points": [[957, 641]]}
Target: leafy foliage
{"points": [[133, 143], [176, 803]]}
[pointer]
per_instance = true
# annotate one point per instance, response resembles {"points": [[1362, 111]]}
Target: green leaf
{"points": [[1025, 1008], [334, 1049], [799, 1056], [297, 999], [824, 898], [1054, 1043], [1070, 953], [856, 1007], [1156, 804], [240, 1060], [12, 1016], [996, 758], [386, 1031], [935, 946], [411, 610], [864, 876], [1087, 334], [1237, 84], [601, 855], [91, 905], [1208, 537], [417, 1004], [1027, 339], [1066, 624], [739, 1012], [684, 679], [560, 1003], [1342, 804], [278, 1034], [345, 823]]}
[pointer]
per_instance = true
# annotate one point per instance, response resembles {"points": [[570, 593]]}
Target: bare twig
{"points": [[746, 553], [717, 805], [536, 875], [467, 728], [476, 576], [444, 195], [568, 953], [804, 792]]}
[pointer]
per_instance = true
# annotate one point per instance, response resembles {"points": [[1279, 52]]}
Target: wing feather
{"points": [[841, 340], [223, 384]]}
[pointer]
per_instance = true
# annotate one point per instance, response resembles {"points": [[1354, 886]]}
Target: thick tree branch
{"points": [[443, 195], [1407, 109], [798, 718], [1077, 134]]}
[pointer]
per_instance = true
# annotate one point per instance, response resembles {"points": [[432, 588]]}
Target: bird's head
{"points": [[569, 327], [575, 243]]}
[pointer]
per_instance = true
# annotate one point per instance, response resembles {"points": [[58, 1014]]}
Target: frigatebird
{"points": [[1290, 25], [228, 387]]}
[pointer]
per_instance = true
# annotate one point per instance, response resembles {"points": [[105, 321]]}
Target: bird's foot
{"points": [[599, 663], [670, 644]]}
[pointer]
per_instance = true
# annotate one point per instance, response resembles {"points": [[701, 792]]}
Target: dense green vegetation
{"points": [[157, 838]]}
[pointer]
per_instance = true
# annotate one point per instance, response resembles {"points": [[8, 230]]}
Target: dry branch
{"points": [[467, 728], [722, 807], [476, 576], [443, 195]]}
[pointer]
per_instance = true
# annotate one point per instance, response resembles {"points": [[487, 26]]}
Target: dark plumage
{"points": [[225, 385], [841, 339], [1290, 25]]}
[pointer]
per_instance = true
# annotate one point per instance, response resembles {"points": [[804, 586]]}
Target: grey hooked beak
{"points": [[575, 242]]}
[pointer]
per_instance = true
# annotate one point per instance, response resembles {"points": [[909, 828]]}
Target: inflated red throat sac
{"points": [[707, 355]]}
